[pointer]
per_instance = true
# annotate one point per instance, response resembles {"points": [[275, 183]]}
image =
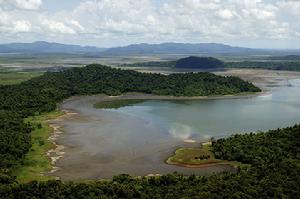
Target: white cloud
{"points": [[56, 27], [225, 14], [3, 17], [77, 25], [21, 26], [29, 4], [130, 21]]}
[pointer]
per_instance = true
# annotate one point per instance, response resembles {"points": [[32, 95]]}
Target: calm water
{"points": [[137, 139], [221, 117]]}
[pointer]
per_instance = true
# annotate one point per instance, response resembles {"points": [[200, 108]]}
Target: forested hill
{"points": [[42, 93], [290, 63], [199, 63], [191, 62]]}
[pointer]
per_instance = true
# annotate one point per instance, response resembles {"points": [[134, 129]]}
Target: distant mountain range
{"points": [[176, 48], [42, 47]]}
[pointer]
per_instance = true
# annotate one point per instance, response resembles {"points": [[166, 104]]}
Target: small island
{"points": [[202, 156]]}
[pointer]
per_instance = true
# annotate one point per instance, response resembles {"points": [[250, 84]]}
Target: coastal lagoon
{"points": [[137, 139]]}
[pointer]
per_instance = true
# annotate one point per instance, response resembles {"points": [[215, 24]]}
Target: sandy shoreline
{"points": [[57, 152]]}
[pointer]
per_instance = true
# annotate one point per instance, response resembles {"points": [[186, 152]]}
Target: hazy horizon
{"points": [[148, 44], [109, 23]]}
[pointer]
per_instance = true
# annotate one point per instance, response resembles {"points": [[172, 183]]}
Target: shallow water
{"points": [[137, 139]]}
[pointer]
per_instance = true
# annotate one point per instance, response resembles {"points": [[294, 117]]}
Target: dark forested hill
{"points": [[191, 62], [199, 63]]}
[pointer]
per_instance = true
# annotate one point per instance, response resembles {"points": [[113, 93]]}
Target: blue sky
{"points": [[59, 5], [106, 23]]}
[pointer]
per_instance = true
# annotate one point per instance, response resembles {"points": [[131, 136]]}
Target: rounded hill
{"points": [[199, 62]]}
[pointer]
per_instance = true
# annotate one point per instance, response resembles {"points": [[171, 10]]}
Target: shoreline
{"points": [[198, 166], [145, 96], [57, 152]]}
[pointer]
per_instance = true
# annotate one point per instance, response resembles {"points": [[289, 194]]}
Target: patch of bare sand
{"points": [[57, 152]]}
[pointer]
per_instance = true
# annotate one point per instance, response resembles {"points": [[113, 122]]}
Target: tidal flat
{"points": [[138, 139]]}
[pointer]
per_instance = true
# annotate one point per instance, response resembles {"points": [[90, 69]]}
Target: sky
{"points": [[107, 23]]}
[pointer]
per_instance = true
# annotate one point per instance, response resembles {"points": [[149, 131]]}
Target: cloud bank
{"points": [[112, 22]]}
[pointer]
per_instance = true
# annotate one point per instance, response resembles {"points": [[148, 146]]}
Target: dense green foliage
{"points": [[41, 94], [261, 149], [199, 63], [271, 65], [274, 173], [286, 57], [13, 77]]}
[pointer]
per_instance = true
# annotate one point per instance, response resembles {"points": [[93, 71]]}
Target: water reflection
{"points": [[137, 139]]}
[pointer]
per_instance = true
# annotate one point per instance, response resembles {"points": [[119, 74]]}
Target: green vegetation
{"points": [[193, 156], [285, 57], [35, 162], [199, 63], [289, 63], [13, 77], [271, 65], [198, 156], [115, 104]]}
